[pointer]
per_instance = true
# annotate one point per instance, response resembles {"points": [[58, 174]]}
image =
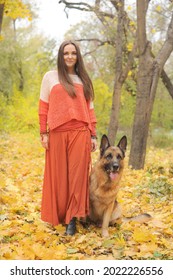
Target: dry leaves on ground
{"points": [[24, 236]]}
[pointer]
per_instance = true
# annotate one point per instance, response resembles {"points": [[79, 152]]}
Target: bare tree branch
{"points": [[99, 42], [141, 23], [80, 6], [97, 4], [87, 8], [129, 63], [167, 82], [167, 47], [115, 3]]}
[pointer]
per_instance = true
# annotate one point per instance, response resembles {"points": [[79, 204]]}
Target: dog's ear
{"points": [[104, 145], [123, 144]]}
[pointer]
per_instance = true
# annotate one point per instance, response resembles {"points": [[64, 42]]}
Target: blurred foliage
{"points": [[26, 56], [103, 100], [16, 9], [20, 114]]}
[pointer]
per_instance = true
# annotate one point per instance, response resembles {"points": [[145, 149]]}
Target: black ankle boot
{"points": [[71, 227]]}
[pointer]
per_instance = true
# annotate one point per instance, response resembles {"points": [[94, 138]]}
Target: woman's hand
{"points": [[45, 140], [93, 144]]}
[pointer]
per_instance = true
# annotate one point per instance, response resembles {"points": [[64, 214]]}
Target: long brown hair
{"points": [[80, 70]]}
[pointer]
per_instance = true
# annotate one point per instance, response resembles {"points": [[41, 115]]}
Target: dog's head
{"points": [[112, 156]]}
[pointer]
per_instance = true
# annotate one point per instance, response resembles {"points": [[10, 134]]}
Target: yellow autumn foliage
{"points": [[24, 236], [16, 9]]}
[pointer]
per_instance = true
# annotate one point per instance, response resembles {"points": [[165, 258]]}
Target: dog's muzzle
{"points": [[115, 167], [112, 168]]}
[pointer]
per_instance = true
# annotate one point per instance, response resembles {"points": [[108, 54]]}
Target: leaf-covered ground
{"points": [[24, 236]]}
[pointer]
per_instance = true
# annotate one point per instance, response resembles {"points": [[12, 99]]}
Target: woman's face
{"points": [[70, 58]]}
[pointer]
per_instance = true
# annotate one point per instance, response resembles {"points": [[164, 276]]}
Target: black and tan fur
{"points": [[104, 185]]}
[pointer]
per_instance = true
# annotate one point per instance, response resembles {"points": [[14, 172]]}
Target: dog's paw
{"points": [[105, 233]]}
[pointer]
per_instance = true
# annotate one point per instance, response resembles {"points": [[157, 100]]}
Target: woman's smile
{"points": [[70, 57]]}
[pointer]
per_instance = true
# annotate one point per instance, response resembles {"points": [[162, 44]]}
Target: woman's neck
{"points": [[72, 72]]}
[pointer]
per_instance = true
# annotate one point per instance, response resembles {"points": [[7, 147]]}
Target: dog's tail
{"points": [[143, 218]]}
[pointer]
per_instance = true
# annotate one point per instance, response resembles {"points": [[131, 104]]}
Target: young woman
{"points": [[68, 133]]}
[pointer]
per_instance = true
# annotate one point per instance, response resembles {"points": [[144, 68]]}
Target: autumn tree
{"points": [[13, 9], [111, 14], [149, 72], [23, 56], [123, 62]]}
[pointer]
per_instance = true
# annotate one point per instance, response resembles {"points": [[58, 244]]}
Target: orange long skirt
{"points": [[66, 178]]}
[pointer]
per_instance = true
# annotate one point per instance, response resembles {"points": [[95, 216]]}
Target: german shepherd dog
{"points": [[104, 185]]}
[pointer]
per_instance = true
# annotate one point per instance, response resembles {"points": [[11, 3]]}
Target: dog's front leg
{"points": [[106, 219]]}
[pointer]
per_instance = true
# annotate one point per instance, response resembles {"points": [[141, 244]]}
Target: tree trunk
{"points": [[144, 82], [148, 76], [21, 77], [142, 114], [14, 30], [149, 69], [116, 98], [113, 124], [1, 15]]}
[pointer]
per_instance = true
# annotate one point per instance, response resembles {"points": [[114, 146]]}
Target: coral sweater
{"points": [[58, 109]]}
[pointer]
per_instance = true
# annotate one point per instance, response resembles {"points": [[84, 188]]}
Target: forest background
{"points": [[25, 55]]}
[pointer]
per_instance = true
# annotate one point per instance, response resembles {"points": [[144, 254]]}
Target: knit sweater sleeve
{"points": [[92, 118], [44, 103]]}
